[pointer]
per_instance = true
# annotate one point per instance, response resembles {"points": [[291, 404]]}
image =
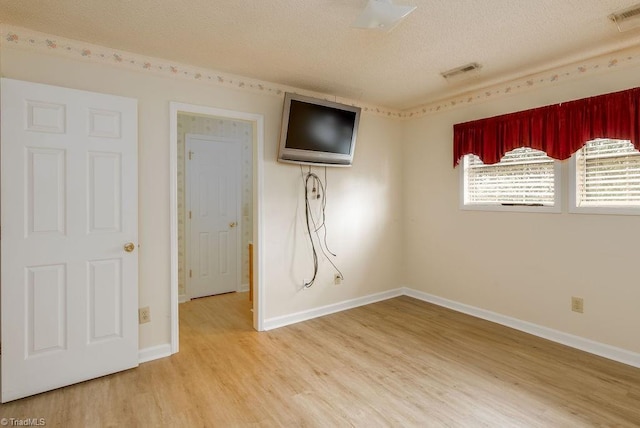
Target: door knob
{"points": [[233, 224], [129, 247]]}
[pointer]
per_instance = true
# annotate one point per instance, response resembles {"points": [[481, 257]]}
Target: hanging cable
{"points": [[324, 205], [309, 283], [318, 191]]}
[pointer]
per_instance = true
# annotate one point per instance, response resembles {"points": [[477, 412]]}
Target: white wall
{"points": [[364, 224], [393, 218], [523, 265], [364, 207]]}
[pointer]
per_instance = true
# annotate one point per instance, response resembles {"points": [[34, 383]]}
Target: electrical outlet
{"points": [[144, 315], [577, 304], [337, 279]]}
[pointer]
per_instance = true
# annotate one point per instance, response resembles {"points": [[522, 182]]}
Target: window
{"points": [[525, 179], [606, 178]]}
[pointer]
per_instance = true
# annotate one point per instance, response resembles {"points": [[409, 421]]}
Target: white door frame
{"points": [[258, 171], [187, 194]]}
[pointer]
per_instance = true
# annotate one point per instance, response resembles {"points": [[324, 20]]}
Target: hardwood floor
{"points": [[401, 362]]}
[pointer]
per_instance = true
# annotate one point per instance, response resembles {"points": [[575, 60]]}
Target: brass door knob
{"points": [[233, 224], [129, 247]]}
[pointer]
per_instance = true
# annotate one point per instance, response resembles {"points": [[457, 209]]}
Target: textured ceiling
{"points": [[309, 44]]}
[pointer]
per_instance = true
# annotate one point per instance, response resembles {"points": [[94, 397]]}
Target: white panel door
{"points": [[212, 193], [69, 206]]}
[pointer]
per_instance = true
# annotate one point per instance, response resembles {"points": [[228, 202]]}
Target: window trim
{"points": [[573, 197], [555, 209]]}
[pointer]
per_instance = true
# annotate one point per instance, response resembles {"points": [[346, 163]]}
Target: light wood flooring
{"points": [[401, 362]]}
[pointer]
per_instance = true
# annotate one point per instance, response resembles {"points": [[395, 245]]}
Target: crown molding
{"points": [[23, 38]]}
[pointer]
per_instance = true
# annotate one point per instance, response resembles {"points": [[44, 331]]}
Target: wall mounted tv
{"points": [[318, 132]]}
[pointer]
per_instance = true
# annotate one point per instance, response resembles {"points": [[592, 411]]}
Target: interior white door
{"points": [[69, 207], [212, 188]]}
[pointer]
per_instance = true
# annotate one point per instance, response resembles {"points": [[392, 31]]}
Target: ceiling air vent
{"points": [[462, 71], [627, 19]]}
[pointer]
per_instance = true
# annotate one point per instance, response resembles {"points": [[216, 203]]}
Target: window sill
{"points": [[605, 210], [513, 208]]}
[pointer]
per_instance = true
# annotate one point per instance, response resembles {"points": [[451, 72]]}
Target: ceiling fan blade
{"points": [[381, 15]]}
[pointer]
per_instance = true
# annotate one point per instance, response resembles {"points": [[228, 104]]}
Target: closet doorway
{"points": [[215, 206]]}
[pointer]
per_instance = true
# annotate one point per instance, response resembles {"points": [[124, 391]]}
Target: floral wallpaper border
{"points": [[598, 64], [19, 37], [25, 38]]}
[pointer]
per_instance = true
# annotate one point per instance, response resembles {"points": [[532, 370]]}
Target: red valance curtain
{"points": [[559, 130]]}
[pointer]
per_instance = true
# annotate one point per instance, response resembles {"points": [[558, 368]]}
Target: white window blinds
{"points": [[523, 176], [608, 174]]}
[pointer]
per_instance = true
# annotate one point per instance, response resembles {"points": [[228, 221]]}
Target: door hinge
{"points": [[190, 273], [189, 215], [190, 154]]}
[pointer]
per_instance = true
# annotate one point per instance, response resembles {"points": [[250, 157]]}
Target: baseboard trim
{"points": [[281, 321], [153, 353], [243, 288], [587, 345], [183, 298], [606, 351]]}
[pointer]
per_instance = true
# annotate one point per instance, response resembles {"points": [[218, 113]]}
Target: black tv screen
{"points": [[318, 131]]}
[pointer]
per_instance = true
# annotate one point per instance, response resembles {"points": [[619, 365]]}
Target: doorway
{"points": [[246, 131]]}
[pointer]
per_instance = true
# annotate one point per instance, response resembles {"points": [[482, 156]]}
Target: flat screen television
{"points": [[317, 131]]}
